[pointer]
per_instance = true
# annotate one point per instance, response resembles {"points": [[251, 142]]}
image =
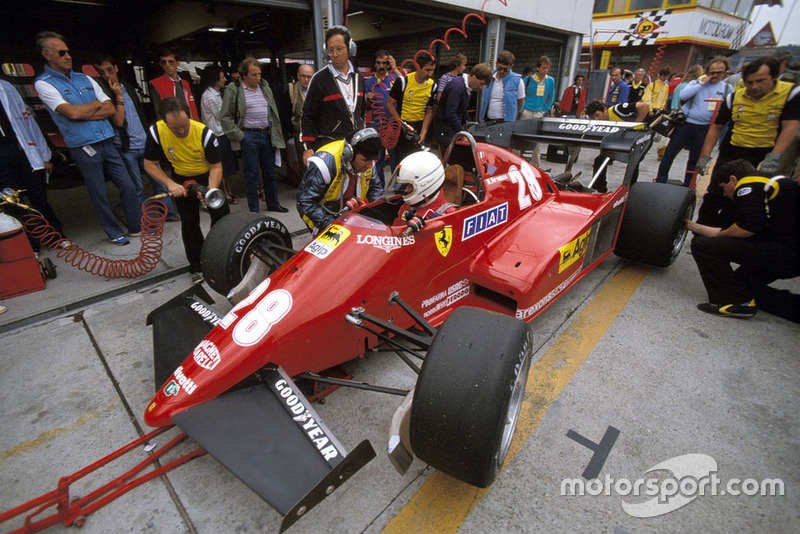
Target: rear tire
{"points": [[469, 394], [230, 244], [653, 229]]}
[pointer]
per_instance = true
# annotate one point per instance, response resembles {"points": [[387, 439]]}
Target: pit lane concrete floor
{"points": [[625, 348]]}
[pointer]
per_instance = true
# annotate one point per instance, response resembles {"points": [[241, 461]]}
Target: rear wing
{"points": [[626, 142]]}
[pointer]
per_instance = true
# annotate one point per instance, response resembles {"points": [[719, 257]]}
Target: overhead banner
{"points": [[694, 25]]}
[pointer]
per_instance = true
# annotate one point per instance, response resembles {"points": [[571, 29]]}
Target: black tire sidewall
{"points": [[223, 256], [463, 393], [651, 222]]}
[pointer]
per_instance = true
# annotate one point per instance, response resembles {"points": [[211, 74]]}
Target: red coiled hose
{"points": [[390, 127], [154, 213], [656, 60]]}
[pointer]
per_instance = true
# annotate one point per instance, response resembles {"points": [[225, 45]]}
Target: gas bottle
{"points": [[19, 268]]}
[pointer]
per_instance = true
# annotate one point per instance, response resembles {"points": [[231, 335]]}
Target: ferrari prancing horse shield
{"points": [[444, 239]]}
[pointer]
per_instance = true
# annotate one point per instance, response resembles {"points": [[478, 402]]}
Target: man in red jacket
{"points": [[170, 84], [574, 98]]}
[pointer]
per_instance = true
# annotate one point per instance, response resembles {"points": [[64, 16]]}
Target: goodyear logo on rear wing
{"points": [[484, 220], [587, 128], [326, 242], [573, 251]]}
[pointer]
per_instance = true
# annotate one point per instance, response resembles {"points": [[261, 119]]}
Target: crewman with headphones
{"points": [[335, 103], [339, 175], [762, 240]]}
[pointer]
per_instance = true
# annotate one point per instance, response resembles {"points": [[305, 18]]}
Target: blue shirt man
{"points": [[540, 90], [377, 89], [618, 92], [129, 134], [503, 99], [700, 98], [80, 109]]}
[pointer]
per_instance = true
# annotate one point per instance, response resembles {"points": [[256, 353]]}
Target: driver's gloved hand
{"points": [[415, 224], [354, 203]]}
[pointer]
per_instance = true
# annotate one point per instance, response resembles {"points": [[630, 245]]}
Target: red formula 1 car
{"points": [[519, 239]]}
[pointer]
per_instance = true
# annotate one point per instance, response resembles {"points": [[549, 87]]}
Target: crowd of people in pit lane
{"points": [[755, 116]]}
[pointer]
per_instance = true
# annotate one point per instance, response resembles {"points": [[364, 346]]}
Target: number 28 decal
{"points": [[256, 323], [524, 176]]}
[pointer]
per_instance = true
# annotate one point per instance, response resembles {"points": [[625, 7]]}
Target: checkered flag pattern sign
{"points": [[647, 19], [738, 41]]}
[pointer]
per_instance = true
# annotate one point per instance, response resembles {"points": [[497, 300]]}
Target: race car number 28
{"points": [[256, 323], [524, 176]]}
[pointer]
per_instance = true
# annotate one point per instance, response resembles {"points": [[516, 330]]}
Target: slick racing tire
{"points": [[232, 243], [469, 394], [653, 229]]}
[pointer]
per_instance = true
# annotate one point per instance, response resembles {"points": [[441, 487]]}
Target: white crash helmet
{"points": [[419, 177]]}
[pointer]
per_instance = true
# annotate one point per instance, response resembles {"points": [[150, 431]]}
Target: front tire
{"points": [[653, 229], [232, 243], [469, 394]]}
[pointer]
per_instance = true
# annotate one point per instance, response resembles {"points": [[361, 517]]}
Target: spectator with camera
{"points": [[699, 99]]}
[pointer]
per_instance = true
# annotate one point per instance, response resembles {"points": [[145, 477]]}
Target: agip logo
{"points": [[326, 242], [573, 251]]}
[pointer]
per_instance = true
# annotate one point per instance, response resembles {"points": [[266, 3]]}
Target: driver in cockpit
{"points": [[419, 179]]}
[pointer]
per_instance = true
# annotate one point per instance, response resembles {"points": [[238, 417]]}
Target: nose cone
{"points": [[157, 413]]}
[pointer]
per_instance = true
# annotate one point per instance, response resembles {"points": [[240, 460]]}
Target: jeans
{"points": [[257, 151], [134, 161], [108, 162], [689, 136]]}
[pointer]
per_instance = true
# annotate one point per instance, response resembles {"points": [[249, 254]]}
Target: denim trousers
{"points": [[106, 161], [257, 151], [134, 161], [687, 135]]}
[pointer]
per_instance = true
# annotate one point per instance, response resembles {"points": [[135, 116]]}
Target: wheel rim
{"points": [[677, 244], [514, 406], [262, 241]]}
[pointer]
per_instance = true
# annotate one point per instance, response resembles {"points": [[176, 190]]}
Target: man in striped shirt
{"points": [[250, 120]]}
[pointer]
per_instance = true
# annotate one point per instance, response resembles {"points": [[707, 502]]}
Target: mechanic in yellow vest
{"points": [[192, 149], [656, 93], [765, 116], [339, 175]]}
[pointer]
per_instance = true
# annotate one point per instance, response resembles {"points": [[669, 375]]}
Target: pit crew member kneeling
{"points": [[762, 240], [339, 176], [420, 177]]}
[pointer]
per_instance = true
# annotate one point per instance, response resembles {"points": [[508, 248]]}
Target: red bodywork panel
{"points": [[513, 252]]}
